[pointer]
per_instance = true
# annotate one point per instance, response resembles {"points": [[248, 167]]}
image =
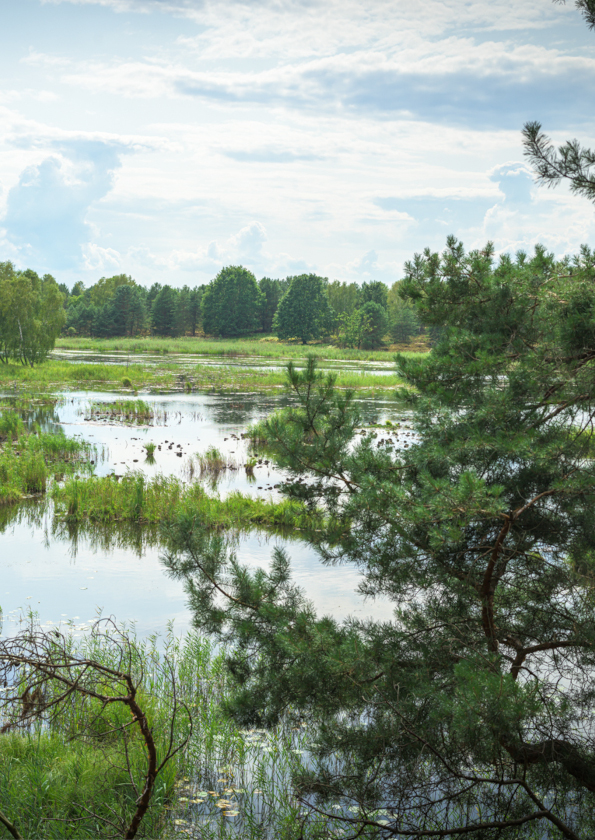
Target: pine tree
{"points": [[472, 712], [164, 312], [571, 162]]}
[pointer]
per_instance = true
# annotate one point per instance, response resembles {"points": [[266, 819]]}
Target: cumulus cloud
{"points": [[515, 181], [46, 210]]}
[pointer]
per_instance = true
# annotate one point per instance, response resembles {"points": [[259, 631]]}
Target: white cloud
{"points": [[100, 260]]}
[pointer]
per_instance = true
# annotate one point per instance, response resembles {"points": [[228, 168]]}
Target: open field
{"points": [[262, 346]]}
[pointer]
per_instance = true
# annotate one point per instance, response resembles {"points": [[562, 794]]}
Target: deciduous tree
{"points": [[232, 303], [304, 311]]}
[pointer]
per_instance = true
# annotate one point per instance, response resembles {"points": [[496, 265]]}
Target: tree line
{"points": [[304, 307]]}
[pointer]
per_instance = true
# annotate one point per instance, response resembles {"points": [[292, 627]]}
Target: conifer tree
{"points": [[164, 312], [570, 162], [471, 713]]}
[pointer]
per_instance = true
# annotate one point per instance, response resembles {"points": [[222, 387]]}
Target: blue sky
{"points": [[167, 138]]}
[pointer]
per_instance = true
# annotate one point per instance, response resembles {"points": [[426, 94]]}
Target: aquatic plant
{"points": [[137, 411], [134, 498], [212, 463], [27, 463], [11, 425], [92, 734]]}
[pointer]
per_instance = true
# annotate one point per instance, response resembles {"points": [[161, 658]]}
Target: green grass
{"points": [[262, 346], [56, 772], [137, 411], [134, 498], [29, 461], [65, 375], [207, 378], [54, 374]]}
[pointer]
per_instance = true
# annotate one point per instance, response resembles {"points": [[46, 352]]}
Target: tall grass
{"points": [[60, 374], [259, 345], [135, 411], [134, 498], [29, 460], [72, 775]]}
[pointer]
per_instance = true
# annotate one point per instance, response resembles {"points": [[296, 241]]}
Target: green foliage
{"points": [[404, 324], [304, 310], [79, 773], [134, 498], [471, 712], [31, 315], [272, 292], [352, 328], [374, 318], [163, 312], [375, 291], [137, 411], [232, 303], [343, 297], [28, 460]]}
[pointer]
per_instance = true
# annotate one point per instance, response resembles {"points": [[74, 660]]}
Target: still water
{"points": [[70, 575]]}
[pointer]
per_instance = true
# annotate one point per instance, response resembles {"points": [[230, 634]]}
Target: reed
{"points": [[261, 346], [76, 773], [122, 411], [134, 498], [32, 460]]}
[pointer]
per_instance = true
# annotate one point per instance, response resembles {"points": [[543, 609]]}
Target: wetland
{"points": [[86, 542]]}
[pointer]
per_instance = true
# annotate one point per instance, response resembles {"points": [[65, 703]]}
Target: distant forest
{"points": [[305, 307]]}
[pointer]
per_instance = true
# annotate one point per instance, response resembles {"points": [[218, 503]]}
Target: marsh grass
{"points": [[122, 411], [60, 374], [72, 775], [261, 346], [231, 783], [237, 379], [211, 464], [29, 460], [134, 498]]}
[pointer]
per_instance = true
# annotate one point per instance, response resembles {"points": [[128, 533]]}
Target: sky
{"points": [[168, 138]]}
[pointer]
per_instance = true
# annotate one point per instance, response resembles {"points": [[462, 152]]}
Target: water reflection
{"points": [[71, 572], [66, 571]]}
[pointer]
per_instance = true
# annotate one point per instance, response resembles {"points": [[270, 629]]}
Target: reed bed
{"points": [[53, 374], [134, 498], [122, 411], [207, 378], [261, 346], [211, 464], [31, 460], [226, 783]]}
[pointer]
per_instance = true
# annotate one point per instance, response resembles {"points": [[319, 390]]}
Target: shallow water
{"points": [[186, 425], [72, 575], [189, 361], [67, 574]]}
